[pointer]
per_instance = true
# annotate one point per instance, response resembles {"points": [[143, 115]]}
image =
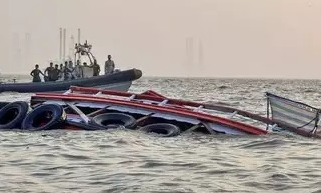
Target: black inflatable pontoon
{"points": [[117, 81]]}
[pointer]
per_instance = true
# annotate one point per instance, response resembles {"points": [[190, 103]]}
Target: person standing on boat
{"points": [[70, 65], [78, 70], [61, 71], [66, 72], [96, 68], [72, 69], [35, 73], [55, 73], [109, 65], [49, 71]]}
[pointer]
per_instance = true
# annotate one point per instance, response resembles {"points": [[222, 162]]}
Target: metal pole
{"points": [[79, 43], [267, 111], [71, 47], [78, 35], [60, 44]]}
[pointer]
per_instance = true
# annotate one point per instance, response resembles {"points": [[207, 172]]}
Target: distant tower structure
{"points": [[27, 50], [71, 47], [200, 52], [189, 50], [64, 45], [13, 52], [19, 54], [16, 60]]}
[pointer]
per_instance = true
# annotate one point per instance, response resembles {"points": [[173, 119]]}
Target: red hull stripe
{"points": [[185, 112], [153, 93]]}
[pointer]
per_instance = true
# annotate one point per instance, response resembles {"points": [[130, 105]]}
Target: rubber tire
{"points": [[22, 109], [3, 104], [58, 117], [164, 129], [127, 121]]}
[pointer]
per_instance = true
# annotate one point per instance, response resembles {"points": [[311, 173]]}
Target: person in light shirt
{"points": [[78, 70], [109, 65]]}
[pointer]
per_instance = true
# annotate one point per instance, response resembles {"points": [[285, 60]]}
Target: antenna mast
{"points": [[64, 44], [79, 57]]}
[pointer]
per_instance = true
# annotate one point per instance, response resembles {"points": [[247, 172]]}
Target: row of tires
{"points": [[16, 115]]}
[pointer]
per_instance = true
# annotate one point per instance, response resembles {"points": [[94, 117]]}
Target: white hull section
{"points": [[122, 86]]}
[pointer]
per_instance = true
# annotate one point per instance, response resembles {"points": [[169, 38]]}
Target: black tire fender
{"points": [[114, 120], [56, 117], [12, 115], [3, 104], [164, 129]]}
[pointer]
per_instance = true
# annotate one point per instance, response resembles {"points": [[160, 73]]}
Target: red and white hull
{"points": [[149, 106]]}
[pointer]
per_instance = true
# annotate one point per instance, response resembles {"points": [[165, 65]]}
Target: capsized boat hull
{"points": [[151, 106], [103, 81]]}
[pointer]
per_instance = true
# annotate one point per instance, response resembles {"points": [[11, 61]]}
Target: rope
{"points": [[315, 124], [267, 112], [314, 130], [306, 124]]}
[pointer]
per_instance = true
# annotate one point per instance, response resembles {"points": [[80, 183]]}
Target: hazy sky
{"points": [[241, 38]]}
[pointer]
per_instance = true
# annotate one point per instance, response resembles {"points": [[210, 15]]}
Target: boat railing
{"points": [[83, 49], [293, 115]]}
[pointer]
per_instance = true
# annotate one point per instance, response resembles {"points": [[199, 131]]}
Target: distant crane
{"points": [[190, 51], [27, 48]]}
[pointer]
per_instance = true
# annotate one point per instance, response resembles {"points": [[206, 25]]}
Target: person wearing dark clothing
{"points": [[55, 73], [66, 72], [49, 71], [96, 68], [35, 73], [61, 69]]}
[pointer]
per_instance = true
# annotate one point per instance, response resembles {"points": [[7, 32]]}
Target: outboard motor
{"points": [[116, 70]]}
